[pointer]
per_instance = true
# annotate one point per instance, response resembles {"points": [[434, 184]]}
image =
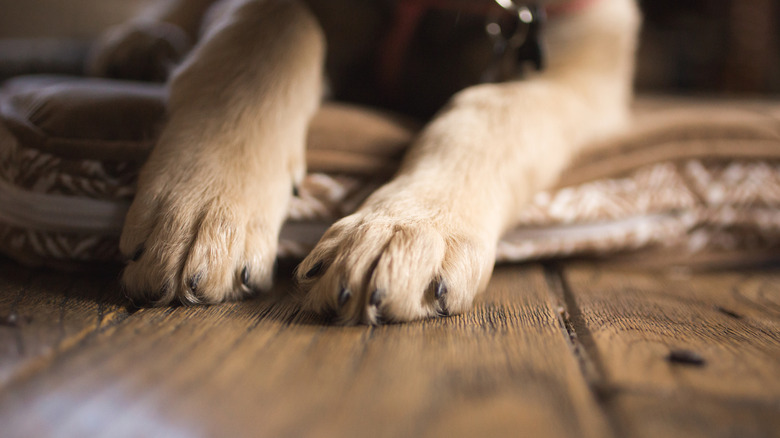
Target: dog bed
{"points": [[690, 180]]}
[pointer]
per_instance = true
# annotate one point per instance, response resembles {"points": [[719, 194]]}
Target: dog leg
{"points": [[213, 195], [424, 244]]}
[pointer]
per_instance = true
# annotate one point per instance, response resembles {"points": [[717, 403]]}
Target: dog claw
{"points": [[193, 284], [344, 296], [245, 276], [314, 271], [440, 293], [441, 290], [138, 253], [376, 298]]}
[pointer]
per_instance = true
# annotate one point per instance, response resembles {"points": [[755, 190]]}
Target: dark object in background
{"points": [[697, 46], [686, 357], [688, 46]]}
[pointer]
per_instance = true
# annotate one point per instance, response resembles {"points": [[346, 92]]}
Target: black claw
{"points": [[440, 293], [194, 282], [314, 271], [344, 296], [441, 290], [138, 253], [376, 297], [296, 192], [245, 276]]}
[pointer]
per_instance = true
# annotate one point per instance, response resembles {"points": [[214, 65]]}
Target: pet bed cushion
{"points": [[693, 179]]}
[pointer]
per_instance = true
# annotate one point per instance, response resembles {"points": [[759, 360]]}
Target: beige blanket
{"points": [[690, 180]]}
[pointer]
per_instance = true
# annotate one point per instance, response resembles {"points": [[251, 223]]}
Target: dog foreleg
{"points": [[214, 193], [424, 244]]}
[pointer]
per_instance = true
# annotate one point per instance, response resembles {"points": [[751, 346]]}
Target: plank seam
{"points": [[579, 340]]}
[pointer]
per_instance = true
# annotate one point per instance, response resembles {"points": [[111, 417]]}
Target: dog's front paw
{"points": [[375, 267], [197, 247], [142, 51], [204, 229]]}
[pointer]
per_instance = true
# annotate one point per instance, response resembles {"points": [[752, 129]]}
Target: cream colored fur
{"points": [[212, 198]]}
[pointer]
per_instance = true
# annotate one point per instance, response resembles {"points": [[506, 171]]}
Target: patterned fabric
{"points": [[694, 206], [65, 207], [41, 172]]}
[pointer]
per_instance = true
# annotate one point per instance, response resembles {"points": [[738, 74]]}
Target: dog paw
{"points": [[204, 229], [145, 51], [373, 267]]}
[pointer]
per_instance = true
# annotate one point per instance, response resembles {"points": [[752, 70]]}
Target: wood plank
{"points": [[260, 368], [689, 415], [681, 354], [43, 313]]}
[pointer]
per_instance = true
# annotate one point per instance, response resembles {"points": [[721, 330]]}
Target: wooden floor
{"points": [[562, 350]]}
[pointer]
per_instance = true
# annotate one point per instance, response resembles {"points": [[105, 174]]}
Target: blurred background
{"points": [[705, 46], [689, 46]]}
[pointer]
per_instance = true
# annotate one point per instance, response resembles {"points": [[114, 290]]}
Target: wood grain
{"points": [[630, 322], [43, 313], [261, 368], [573, 350]]}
